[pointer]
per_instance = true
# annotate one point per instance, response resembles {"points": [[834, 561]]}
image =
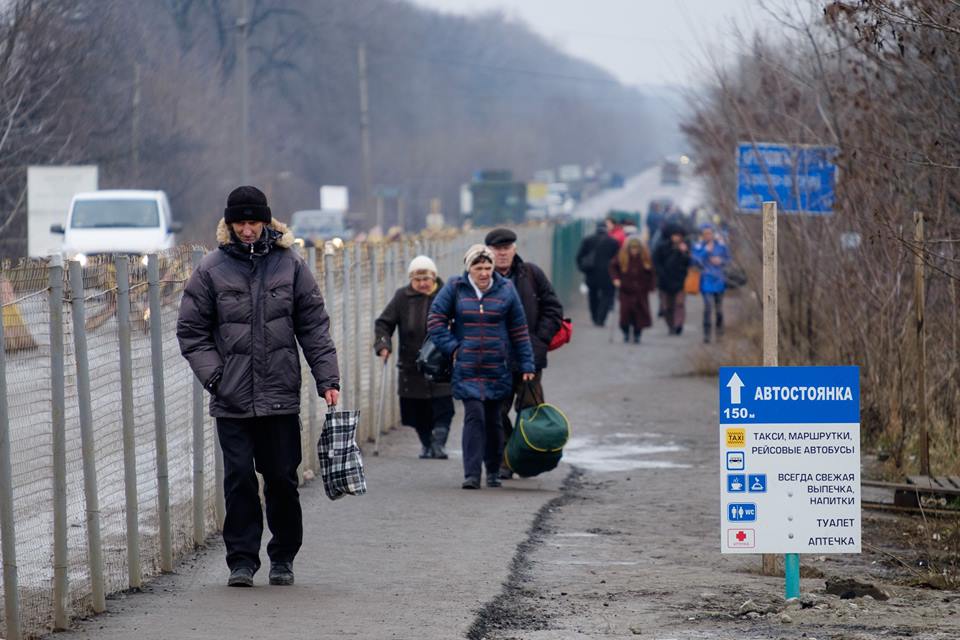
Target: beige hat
{"points": [[421, 264], [476, 252]]}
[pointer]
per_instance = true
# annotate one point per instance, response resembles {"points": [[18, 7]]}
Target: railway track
{"points": [[921, 495]]}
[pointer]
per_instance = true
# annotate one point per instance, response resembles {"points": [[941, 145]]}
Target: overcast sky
{"points": [[642, 42]]}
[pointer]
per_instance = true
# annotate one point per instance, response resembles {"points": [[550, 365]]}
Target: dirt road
{"points": [[631, 548]]}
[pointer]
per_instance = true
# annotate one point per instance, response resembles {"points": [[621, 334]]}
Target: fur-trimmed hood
{"points": [[285, 241]]}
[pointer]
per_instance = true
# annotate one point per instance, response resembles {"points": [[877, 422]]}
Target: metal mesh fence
{"points": [[157, 490]]}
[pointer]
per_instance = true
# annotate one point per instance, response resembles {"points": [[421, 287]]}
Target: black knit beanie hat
{"points": [[247, 203]]}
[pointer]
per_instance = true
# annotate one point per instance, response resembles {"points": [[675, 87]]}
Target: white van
{"points": [[117, 221]]}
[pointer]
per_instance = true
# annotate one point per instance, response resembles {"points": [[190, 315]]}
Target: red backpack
{"points": [[563, 335]]}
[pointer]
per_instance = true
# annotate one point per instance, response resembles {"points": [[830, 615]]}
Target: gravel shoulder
{"points": [[634, 552]]}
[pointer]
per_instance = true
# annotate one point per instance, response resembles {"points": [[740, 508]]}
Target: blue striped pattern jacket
{"points": [[486, 335]]}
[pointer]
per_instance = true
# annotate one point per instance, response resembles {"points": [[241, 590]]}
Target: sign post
{"points": [[790, 462], [771, 329]]}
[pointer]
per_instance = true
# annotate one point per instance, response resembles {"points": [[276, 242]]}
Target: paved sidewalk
{"points": [[416, 557]]}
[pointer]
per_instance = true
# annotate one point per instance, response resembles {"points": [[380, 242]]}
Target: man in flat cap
{"points": [[544, 316]]}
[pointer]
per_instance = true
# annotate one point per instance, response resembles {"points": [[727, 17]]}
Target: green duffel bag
{"points": [[536, 444]]}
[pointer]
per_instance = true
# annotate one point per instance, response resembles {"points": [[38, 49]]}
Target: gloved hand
{"points": [[214, 381]]}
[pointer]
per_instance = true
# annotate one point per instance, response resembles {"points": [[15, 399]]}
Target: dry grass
{"points": [[742, 342]]}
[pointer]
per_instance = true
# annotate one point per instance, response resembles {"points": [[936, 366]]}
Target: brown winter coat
{"points": [[242, 315], [408, 311], [636, 282]]}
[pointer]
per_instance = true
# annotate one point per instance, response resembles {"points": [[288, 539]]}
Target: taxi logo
{"points": [[736, 438]]}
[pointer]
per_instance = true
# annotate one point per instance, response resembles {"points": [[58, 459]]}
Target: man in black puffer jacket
{"points": [[544, 315], [243, 312]]}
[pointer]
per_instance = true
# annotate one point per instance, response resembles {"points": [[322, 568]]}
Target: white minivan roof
{"points": [[119, 194]]}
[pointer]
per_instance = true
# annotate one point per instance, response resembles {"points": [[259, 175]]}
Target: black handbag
{"points": [[434, 366]]}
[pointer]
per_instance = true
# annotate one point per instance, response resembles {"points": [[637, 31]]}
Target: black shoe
{"points": [[506, 474], [471, 483], [241, 577], [493, 481], [438, 452], [281, 573], [425, 452], [678, 330]]}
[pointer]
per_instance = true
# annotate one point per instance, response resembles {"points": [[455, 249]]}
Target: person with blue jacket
{"points": [[477, 320], [711, 256]]}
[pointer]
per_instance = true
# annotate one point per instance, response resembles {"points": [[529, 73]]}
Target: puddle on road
{"points": [[621, 452]]}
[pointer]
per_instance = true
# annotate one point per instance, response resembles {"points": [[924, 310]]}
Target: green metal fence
{"points": [[566, 277]]}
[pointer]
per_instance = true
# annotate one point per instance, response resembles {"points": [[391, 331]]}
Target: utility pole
{"points": [[919, 292], [135, 127], [243, 29], [365, 131]]}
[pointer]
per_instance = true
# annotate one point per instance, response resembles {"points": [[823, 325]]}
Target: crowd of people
{"points": [[248, 306], [619, 263]]}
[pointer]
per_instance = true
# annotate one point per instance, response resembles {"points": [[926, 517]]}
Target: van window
{"points": [[100, 214]]}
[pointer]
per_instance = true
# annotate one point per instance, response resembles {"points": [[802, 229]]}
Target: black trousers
{"points": [[427, 415], [271, 446], [601, 302], [482, 437]]}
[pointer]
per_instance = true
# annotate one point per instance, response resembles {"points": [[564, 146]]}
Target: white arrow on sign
{"points": [[735, 385]]}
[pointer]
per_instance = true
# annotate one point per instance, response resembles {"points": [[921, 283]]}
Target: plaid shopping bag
{"points": [[340, 463]]}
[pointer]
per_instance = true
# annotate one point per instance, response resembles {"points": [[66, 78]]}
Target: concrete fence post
{"points": [[61, 591], [375, 421], [310, 455], [134, 573], [199, 521], [390, 285], [159, 412], [344, 350], [328, 297], [95, 550], [356, 347], [11, 591]]}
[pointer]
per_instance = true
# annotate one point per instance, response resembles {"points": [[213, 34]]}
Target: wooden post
{"points": [[771, 348], [920, 303]]}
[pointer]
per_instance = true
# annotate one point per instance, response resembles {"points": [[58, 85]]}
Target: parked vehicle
{"points": [[117, 221], [314, 226]]}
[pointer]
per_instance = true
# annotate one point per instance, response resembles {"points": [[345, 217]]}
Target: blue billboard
{"points": [[799, 178]]}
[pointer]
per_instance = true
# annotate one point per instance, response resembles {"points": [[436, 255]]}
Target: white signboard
{"points": [[790, 460], [334, 198], [49, 192]]}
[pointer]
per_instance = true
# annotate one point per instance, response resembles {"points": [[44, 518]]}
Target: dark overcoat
{"points": [[540, 304], [636, 283], [407, 314]]}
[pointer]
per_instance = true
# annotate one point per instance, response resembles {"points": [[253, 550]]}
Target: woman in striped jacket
{"points": [[478, 321]]}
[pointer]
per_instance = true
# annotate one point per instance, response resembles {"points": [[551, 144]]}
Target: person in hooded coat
{"points": [[632, 273], [244, 310], [424, 405]]}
